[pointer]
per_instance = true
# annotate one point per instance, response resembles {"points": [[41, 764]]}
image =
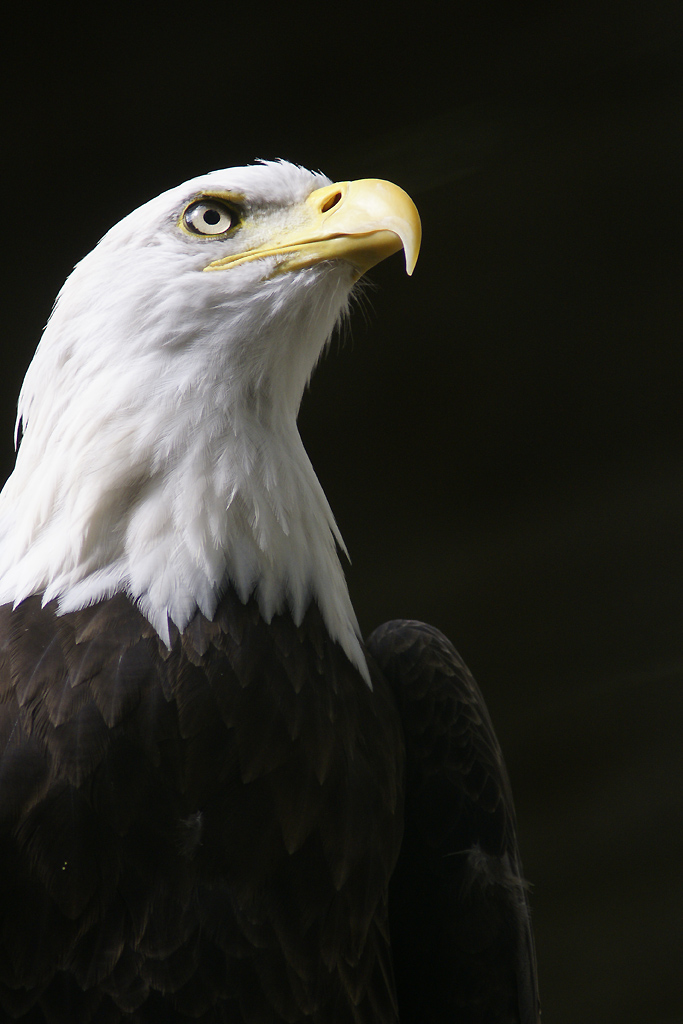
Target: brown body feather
{"points": [[209, 833], [204, 834]]}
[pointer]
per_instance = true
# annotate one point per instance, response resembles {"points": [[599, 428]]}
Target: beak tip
{"points": [[411, 261]]}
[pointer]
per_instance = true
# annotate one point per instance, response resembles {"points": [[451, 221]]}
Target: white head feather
{"points": [[160, 453]]}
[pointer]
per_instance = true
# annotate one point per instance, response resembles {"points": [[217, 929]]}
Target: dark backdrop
{"points": [[500, 436]]}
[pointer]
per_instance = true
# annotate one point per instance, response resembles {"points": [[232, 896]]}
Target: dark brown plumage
{"points": [[458, 910], [209, 834]]}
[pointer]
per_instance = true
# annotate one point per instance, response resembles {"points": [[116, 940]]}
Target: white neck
{"points": [[170, 475]]}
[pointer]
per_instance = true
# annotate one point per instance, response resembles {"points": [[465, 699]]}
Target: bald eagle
{"points": [[217, 804]]}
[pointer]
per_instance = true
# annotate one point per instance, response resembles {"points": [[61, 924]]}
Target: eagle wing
{"points": [[462, 942]]}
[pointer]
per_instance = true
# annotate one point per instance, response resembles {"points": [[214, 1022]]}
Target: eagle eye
{"points": [[209, 217]]}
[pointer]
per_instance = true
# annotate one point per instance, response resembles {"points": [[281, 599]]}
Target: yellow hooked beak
{"points": [[361, 222]]}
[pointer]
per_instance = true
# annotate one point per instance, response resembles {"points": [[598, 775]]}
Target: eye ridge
{"points": [[207, 217]]}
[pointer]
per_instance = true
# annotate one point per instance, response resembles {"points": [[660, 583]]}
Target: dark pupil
{"points": [[212, 217]]}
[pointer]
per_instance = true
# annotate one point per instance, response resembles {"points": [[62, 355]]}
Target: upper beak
{"points": [[361, 222]]}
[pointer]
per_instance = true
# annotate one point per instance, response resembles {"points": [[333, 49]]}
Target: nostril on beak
{"points": [[331, 201]]}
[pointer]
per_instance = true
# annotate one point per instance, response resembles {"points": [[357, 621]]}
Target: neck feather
{"points": [[169, 482]]}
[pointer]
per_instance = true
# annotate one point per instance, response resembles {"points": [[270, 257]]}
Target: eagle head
{"points": [[160, 455]]}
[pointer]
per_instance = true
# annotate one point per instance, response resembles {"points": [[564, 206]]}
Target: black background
{"points": [[501, 435]]}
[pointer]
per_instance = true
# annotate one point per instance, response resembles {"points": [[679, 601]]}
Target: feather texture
{"points": [[205, 832]]}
